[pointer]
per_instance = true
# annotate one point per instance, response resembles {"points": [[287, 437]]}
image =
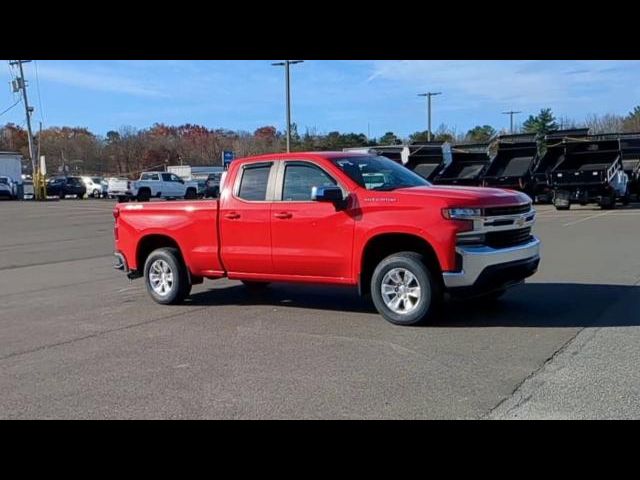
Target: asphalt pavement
{"points": [[78, 340]]}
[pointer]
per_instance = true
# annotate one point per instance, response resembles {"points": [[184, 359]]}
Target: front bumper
{"points": [[486, 268]]}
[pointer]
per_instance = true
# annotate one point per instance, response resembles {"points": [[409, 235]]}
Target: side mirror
{"points": [[326, 194]]}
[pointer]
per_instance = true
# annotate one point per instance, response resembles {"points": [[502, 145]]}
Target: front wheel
{"points": [[403, 289], [166, 276]]}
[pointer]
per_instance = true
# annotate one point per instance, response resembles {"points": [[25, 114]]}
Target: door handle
{"points": [[232, 216], [283, 215]]}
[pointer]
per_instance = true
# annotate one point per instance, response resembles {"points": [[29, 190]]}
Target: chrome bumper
{"points": [[476, 259]]}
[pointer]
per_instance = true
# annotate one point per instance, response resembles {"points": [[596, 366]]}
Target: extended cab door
{"points": [[312, 239], [245, 215]]}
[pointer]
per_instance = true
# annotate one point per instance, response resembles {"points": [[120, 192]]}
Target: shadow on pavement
{"points": [[545, 305]]}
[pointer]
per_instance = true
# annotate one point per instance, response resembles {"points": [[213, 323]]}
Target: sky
{"points": [[364, 96]]}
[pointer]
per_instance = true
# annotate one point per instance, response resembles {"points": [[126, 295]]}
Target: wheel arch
{"points": [[382, 245]]}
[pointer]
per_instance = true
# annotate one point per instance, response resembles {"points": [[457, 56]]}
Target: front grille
{"points": [[512, 210], [508, 238]]}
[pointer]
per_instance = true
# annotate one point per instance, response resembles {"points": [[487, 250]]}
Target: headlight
{"points": [[461, 213]]}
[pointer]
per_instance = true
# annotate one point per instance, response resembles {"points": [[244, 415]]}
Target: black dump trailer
{"points": [[467, 166], [590, 171], [512, 162], [427, 159], [549, 156], [424, 158], [630, 150]]}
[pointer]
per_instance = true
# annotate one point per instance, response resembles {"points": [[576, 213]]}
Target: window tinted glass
{"points": [[166, 177], [300, 179], [379, 173], [4, 181], [253, 185]]}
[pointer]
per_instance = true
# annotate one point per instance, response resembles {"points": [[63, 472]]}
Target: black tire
{"points": [[80, 196], [430, 291], [62, 196], [144, 195], [96, 194], [191, 194], [180, 287], [122, 199], [563, 207], [609, 203]]}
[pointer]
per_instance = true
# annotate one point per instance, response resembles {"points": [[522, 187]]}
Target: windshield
{"points": [[4, 180], [379, 173]]}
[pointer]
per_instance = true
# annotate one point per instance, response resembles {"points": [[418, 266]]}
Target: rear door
{"points": [[309, 238], [245, 214]]}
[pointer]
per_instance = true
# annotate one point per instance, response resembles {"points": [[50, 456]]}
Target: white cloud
{"points": [[103, 80], [519, 83]]}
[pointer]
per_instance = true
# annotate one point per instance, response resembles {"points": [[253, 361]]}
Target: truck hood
{"points": [[467, 196]]}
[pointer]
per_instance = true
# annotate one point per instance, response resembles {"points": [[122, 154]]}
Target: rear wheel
{"points": [[144, 195], [191, 194], [608, 202], [403, 289], [166, 276]]}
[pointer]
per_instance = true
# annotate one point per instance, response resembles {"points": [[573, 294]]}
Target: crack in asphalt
{"points": [[97, 334], [533, 374], [53, 262]]}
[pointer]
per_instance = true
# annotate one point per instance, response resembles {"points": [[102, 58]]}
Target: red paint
{"points": [[308, 242]]}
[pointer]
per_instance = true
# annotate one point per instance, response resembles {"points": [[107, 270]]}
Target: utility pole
{"points": [[28, 110], [429, 95], [286, 64], [511, 113]]}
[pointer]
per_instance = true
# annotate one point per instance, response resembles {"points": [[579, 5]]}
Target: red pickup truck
{"points": [[341, 218]]}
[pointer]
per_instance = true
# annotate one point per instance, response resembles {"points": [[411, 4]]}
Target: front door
{"points": [[309, 238]]}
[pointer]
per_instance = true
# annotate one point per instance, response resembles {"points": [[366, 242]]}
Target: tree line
{"points": [[128, 151]]}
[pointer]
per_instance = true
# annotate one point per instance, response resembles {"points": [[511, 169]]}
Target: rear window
{"points": [[253, 186]]}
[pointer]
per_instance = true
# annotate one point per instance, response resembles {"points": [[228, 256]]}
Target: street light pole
{"points": [[429, 95], [286, 64]]}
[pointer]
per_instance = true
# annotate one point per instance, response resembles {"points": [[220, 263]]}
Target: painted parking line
{"points": [[585, 219]]}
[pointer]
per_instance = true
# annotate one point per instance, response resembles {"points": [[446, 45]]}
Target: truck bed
{"points": [[192, 225]]}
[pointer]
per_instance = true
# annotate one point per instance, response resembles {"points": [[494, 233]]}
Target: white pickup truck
{"points": [[162, 185]]}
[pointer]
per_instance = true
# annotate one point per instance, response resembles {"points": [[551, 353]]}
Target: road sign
{"points": [[227, 157]]}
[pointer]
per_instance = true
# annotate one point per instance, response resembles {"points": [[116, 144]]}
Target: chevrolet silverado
{"points": [[341, 218]]}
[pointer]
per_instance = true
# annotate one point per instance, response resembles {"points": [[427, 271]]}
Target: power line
{"points": [[511, 113], [429, 95], [5, 111]]}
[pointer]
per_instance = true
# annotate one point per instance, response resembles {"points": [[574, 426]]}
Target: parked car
{"points": [[119, 188], [93, 185], [29, 191], [8, 188], [212, 185], [162, 185], [315, 218], [62, 187]]}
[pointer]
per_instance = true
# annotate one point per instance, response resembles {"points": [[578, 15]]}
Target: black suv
{"points": [[64, 186], [212, 185]]}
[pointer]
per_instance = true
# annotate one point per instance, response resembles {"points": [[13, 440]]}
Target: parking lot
{"points": [[79, 341]]}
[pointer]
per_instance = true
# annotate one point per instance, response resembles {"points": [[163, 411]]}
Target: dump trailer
{"points": [[550, 155], [512, 163], [467, 167], [630, 150], [426, 159], [590, 171]]}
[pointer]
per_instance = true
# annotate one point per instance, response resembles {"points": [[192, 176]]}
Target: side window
{"points": [[146, 176], [299, 179], [253, 185], [175, 178], [166, 177]]}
